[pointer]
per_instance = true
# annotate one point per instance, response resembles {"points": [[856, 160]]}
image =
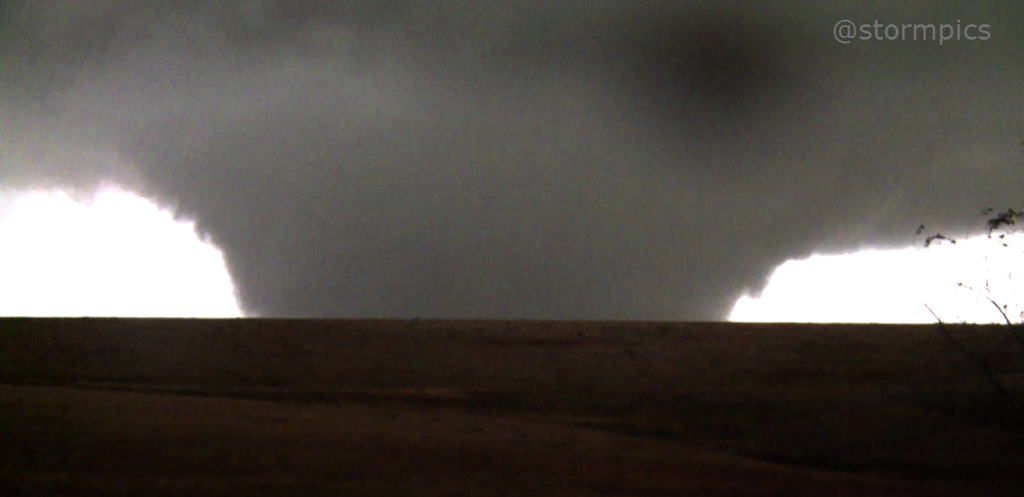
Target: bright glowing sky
{"points": [[118, 254], [893, 286], [111, 254]]}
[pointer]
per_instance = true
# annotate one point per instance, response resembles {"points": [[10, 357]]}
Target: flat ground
{"points": [[279, 407]]}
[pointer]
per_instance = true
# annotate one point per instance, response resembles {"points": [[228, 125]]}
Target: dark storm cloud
{"points": [[599, 159]]}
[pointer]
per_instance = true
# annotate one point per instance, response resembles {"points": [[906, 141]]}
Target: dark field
{"points": [[278, 407]]}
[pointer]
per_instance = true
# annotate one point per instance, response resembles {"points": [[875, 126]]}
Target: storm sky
{"points": [[598, 159]]}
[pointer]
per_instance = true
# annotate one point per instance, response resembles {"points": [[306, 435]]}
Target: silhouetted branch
{"points": [[1009, 397], [1007, 218], [984, 367], [1002, 310], [938, 236]]}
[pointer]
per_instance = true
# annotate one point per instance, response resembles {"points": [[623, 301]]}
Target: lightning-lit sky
{"points": [[601, 159], [107, 254]]}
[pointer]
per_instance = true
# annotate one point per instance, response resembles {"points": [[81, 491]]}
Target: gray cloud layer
{"points": [[609, 159]]}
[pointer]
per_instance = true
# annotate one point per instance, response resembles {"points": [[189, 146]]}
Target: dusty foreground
{"points": [[275, 407]]}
